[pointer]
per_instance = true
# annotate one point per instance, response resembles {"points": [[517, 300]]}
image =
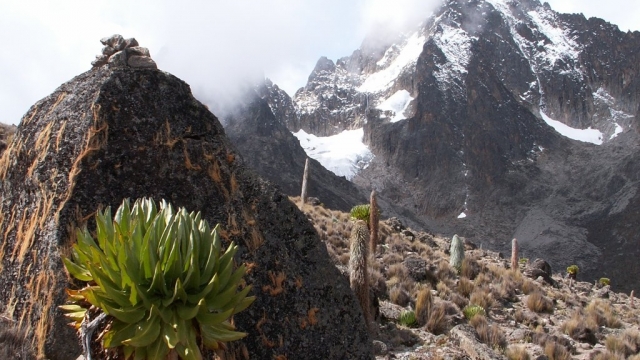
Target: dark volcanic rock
{"points": [[6, 132], [271, 149], [110, 134], [539, 268]]}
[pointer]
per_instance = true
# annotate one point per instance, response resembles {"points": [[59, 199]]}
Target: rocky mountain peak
{"points": [[499, 117]]}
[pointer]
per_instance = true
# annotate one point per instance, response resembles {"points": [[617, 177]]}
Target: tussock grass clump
{"points": [[445, 272], [607, 356], [601, 312], [482, 297], [469, 268], [424, 302], [539, 303], [555, 351], [391, 258], [431, 315], [443, 290], [578, 326], [437, 323], [491, 335], [465, 287], [625, 344], [458, 300], [515, 352], [529, 286], [483, 279], [399, 296], [399, 271]]}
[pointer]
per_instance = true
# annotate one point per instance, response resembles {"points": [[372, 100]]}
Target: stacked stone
{"points": [[121, 52]]}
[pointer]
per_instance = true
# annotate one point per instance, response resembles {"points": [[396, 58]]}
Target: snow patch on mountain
{"points": [[397, 104], [343, 154], [455, 43], [563, 46], [555, 44], [407, 57], [602, 97], [585, 135], [617, 131]]}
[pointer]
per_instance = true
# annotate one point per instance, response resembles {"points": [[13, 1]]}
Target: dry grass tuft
{"points": [[555, 351], [491, 335], [391, 258], [438, 322], [529, 286], [625, 345], [424, 302], [470, 268], [399, 296], [465, 287], [445, 272], [539, 303], [482, 297], [517, 353], [601, 312]]}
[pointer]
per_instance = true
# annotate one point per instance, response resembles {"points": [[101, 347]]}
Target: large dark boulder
{"points": [[115, 133]]}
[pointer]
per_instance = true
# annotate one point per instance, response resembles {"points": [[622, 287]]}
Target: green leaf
{"points": [[123, 217], [205, 317], [234, 280], [210, 288], [213, 333], [147, 331], [169, 335], [129, 315], [118, 333], [187, 312], [243, 304], [157, 350], [110, 289], [217, 301], [78, 272]]}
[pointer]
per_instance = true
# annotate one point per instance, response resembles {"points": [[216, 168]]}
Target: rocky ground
{"points": [[525, 316]]}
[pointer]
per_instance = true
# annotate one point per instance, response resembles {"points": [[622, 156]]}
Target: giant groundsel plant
{"points": [[162, 278]]}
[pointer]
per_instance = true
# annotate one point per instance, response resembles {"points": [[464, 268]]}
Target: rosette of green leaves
{"points": [[408, 318], [361, 212], [163, 279], [472, 310]]}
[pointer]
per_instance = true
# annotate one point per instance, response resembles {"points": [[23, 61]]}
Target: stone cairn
{"points": [[121, 52]]}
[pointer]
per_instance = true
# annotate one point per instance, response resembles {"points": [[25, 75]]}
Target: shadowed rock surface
{"points": [[114, 133]]}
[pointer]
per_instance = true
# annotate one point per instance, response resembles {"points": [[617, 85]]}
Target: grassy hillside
{"points": [[426, 309]]}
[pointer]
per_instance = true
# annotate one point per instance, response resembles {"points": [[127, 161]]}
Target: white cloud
{"points": [[211, 45]]}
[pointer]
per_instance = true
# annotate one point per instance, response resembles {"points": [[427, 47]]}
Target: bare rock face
{"points": [[121, 132]]}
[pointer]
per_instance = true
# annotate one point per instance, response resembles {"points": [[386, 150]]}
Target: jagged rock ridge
{"points": [[458, 115]]}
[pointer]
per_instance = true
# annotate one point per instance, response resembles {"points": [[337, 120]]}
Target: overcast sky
{"points": [[211, 45]]}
